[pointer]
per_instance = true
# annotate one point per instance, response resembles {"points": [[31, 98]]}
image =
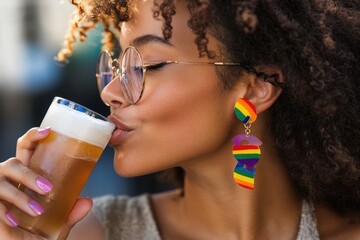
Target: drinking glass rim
{"points": [[79, 108]]}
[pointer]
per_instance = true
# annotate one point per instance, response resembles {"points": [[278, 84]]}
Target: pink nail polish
{"points": [[35, 207], [11, 219], [44, 130], [44, 184]]}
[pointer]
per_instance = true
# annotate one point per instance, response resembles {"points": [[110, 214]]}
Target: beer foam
{"points": [[78, 125]]}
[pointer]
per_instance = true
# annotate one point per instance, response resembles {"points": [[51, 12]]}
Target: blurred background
{"points": [[31, 34]]}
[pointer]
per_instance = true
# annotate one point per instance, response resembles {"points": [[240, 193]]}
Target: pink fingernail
{"points": [[44, 184], [44, 130], [11, 219], [35, 207]]}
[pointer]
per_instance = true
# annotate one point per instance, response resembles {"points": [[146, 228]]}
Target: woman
{"points": [[295, 63]]}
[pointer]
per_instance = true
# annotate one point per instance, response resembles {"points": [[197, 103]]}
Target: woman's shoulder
{"points": [[125, 217]]}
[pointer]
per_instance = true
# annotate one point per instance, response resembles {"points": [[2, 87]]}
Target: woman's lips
{"points": [[120, 131], [117, 136]]}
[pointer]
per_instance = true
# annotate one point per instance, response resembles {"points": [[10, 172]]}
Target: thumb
{"points": [[81, 208]]}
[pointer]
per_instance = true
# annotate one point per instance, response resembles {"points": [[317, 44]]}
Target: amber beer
{"points": [[66, 158]]}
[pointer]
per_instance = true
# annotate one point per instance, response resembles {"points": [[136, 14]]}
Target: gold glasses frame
{"points": [[117, 71]]}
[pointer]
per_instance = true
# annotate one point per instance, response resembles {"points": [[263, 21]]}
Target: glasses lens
{"points": [[132, 80], [104, 72]]}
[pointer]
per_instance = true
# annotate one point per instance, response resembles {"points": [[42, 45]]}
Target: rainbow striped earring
{"points": [[246, 148]]}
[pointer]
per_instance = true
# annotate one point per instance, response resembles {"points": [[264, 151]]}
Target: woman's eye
{"points": [[138, 68], [131, 69], [155, 67]]}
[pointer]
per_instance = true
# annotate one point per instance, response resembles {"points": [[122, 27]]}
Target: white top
{"points": [[130, 218]]}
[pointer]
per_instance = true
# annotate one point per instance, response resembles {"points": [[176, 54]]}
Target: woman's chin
{"points": [[126, 167], [130, 171], [132, 164], [123, 168]]}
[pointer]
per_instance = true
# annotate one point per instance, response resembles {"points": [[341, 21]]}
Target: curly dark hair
{"points": [[316, 120]]}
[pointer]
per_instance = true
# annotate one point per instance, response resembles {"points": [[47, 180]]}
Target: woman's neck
{"points": [[213, 200]]}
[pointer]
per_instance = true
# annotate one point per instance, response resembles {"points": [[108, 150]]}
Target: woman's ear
{"points": [[261, 93]]}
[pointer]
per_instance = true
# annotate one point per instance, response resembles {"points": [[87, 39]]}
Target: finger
{"points": [[7, 217], [14, 170], [79, 211], [8, 227], [13, 195], [27, 143], [81, 208], [13, 233], [6, 231]]}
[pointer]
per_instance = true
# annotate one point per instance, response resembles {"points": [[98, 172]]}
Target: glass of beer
{"points": [[66, 158]]}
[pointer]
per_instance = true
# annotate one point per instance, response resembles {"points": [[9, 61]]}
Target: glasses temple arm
{"points": [[273, 79]]}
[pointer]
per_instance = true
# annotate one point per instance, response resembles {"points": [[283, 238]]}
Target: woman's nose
{"points": [[112, 94]]}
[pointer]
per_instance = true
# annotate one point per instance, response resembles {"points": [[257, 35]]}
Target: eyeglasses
{"points": [[131, 71]]}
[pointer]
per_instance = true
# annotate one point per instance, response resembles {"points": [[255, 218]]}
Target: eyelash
{"points": [[155, 67]]}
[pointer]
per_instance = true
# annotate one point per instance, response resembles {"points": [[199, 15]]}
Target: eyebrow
{"points": [[149, 38]]}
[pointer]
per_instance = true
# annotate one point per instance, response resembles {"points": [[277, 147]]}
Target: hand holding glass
{"points": [[66, 158]]}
